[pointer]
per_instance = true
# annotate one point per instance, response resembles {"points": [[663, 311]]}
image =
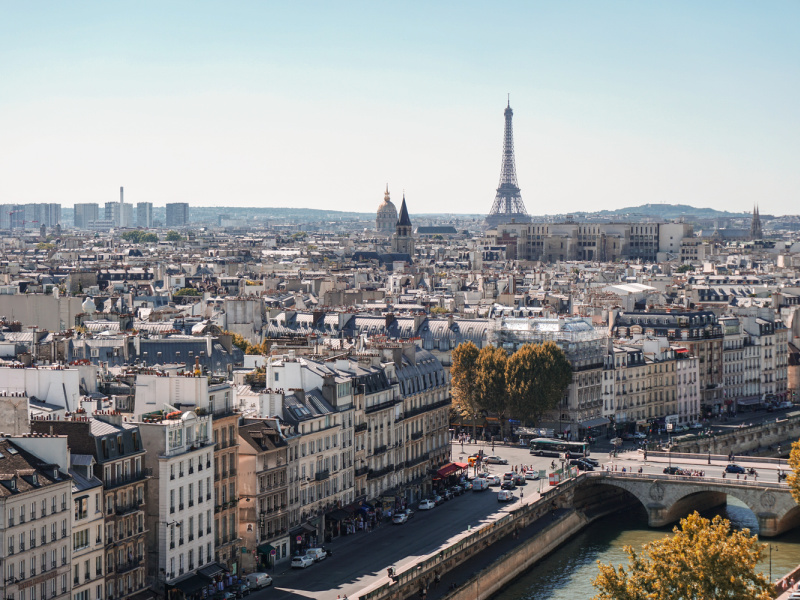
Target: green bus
{"points": [[551, 447]]}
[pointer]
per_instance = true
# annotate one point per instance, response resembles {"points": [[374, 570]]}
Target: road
{"points": [[360, 560]]}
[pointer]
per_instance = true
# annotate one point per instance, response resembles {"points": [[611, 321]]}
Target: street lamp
{"points": [[770, 561]]}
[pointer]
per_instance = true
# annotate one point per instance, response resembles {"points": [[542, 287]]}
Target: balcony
{"points": [[380, 472], [124, 567], [417, 435], [361, 471], [115, 482], [322, 475], [124, 509], [360, 427], [379, 450]]}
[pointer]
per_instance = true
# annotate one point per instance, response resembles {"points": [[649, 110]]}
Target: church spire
{"points": [[755, 224]]}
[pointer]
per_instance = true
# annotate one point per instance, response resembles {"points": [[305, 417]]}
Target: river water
{"points": [[567, 574]]}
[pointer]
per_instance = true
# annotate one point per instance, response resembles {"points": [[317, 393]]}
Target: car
{"points": [[734, 468], [400, 518], [785, 404], [224, 596], [627, 437], [437, 499], [509, 475], [426, 504], [639, 436], [240, 590], [407, 511], [301, 562], [446, 495], [495, 460], [316, 554], [532, 475], [505, 496], [695, 425], [591, 461], [519, 478], [256, 581], [457, 490], [671, 470], [582, 466], [493, 480], [467, 485], [508, 484]]}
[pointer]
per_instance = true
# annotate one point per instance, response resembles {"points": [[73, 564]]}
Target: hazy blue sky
{"points": [[319, 105]]}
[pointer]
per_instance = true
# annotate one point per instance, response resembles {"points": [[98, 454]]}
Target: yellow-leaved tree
{"points": [[702, 560], [793, 478]]}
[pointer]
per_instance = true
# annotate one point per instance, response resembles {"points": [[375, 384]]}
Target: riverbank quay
{"points": [[508, 546]]}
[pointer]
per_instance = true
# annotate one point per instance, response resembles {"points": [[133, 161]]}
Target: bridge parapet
{"points": [[667, 498]]}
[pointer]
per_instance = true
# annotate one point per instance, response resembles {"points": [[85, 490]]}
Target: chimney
{"points": [[121, 197]]}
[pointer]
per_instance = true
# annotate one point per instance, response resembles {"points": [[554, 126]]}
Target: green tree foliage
{"points": [[490, 382], [793, 479], [702, 560], [684, 269], [464, 371], [187, 291], [536, 377], [244, 345], [173, 236], [140, 237]]}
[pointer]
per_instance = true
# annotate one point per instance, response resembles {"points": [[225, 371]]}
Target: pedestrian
{"points": [[436, 580]]}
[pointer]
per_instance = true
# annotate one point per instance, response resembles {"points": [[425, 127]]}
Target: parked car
{"points": [[446, 494], [671, 470], [437, 499], [317, 554], [478, 485], [256, 581], [495, 460], [734, 468], [407, 511], [426, 504], [240, 590], [302, 561], [532, 475], [493, 480], [467, 485], [224, 596], [505, 496], [399, 518], [457, 490], [508, 484]]}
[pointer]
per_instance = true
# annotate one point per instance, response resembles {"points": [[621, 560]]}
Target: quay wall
{"points": [[753, 438]]}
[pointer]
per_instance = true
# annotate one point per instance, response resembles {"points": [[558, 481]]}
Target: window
{"points": [[10, 517], [22, 514], [81, 508]]}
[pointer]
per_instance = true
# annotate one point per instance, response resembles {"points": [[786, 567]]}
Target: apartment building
{"points": [[88, 530], [735, 391], [36, 517], [118, 452], [180, 507], [265, 517], [207, 396]]}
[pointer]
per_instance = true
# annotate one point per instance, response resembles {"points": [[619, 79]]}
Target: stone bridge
{"points": [[668, 498]]}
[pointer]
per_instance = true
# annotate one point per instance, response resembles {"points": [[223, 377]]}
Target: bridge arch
{"points": [[668, 498]]}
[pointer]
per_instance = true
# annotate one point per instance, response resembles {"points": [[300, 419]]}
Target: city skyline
{"points": [[614, 104]]}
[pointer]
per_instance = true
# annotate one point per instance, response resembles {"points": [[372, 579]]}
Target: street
{"points": [[360, 560]]}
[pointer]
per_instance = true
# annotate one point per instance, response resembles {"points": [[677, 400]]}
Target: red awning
{"points": [[451, 468]]}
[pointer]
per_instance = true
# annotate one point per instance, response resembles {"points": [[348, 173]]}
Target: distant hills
{"points": [[668, 211]]}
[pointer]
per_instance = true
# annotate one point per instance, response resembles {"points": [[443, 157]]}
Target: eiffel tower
{"points": [[508, 201]]}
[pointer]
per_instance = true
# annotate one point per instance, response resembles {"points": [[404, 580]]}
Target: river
{"points": [[567, 574]]}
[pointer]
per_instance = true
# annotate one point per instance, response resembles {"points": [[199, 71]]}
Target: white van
{"points": [[480, 484], [258, 580], [317, 554], [505, 496]]}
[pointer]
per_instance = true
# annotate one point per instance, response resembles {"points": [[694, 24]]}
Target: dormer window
{"points": [[35, 479], [13, 483]]}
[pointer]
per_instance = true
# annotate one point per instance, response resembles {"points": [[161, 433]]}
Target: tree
{"points": [[138, 236], [684, 269], [187, 291], [464, 371], [793, 478], [536, 377], [490, 382], [173, 236], [702, 560]]}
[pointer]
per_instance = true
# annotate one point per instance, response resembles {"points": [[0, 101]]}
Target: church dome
{"points": [[387, 215]]}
